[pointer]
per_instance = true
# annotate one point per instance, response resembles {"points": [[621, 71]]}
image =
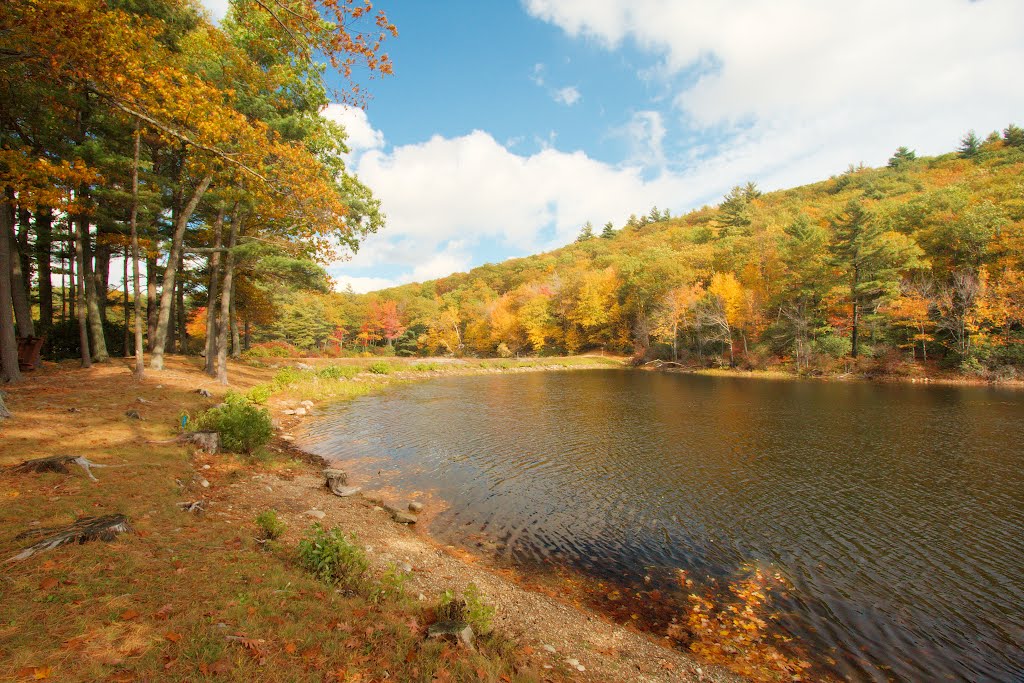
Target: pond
{"points": [[895, 512]]}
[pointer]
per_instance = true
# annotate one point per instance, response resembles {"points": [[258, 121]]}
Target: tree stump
{"points": [[103, 528], [206, 441], [457, 631], [337, 482]]}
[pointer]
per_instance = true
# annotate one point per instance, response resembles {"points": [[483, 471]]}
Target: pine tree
{"points": [[902, 156], [586, 232], [1013, 136], [871, 257], [609, 231], [970, 145]]}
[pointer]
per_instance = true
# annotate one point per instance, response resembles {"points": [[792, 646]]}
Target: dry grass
{"points": [[185, 597]]}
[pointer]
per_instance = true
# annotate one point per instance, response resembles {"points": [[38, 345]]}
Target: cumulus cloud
{"points": [[217, 8], [361, 135], [568, 96], [819, 84], [645, 133]]}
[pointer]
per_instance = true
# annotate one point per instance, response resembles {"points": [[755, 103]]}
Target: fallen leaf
{"points": [[162, 613], [47, 583], [128, 615], [290, 648], [172, 636]]}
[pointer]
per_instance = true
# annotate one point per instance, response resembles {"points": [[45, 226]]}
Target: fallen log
{"points": [[103, 528], [207, 441], [58, 464]]}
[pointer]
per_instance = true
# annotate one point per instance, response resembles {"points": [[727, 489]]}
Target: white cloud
{"points": [[568, 96], [808, 86], [361, 135], [361, 285], [645, 133]]}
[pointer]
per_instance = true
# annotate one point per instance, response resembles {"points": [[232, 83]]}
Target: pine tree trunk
{"points": [[80, 312], [152, 307], [87, 283], [9, 371], [101, 271], [140, 366], [16, 276], [179, 310], [227, 289], [44, 245], [164, 316], [127, 315], [856, 324], [24, 253], [236, 344], [212, 299], [72, 271]]}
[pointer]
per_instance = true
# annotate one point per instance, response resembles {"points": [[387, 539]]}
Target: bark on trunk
{"points": [[9, 371], [152, 307], [856, 323], [14, 273], [140, 366], [227, 289], [164, 316], [83, 323], [44, 244], [87, 283], [236, 344], [179, 312], [213, 299], [124, 300], [101, 272]]}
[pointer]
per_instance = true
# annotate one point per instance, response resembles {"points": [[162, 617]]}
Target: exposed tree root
{"points": [[58, 464], [103, 528]]}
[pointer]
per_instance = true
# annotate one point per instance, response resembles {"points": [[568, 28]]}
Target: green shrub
{"points": [[424, 367], [338, 372], [391, 586], [243, 427], [271, 527], [379, 368], [331, 557], [470, 608], [504, 351], [286, 376], [260, 393]]}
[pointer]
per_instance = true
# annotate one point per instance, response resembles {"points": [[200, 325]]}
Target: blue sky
{"points": [[507, 125]]}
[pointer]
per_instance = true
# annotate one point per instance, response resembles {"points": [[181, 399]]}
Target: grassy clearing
{"points": [[190, 597]]}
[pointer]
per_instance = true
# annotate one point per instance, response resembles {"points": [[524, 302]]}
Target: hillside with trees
{"points": [[919, 261]]}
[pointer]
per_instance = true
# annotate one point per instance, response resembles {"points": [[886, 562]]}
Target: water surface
{"points": [[896, 511]]}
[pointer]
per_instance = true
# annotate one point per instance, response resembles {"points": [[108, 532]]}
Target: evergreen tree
{"points": [[871, 258], [970, 145], [902, 156], [586, 232], [735, 212], [609, 231], [1013, 136]]}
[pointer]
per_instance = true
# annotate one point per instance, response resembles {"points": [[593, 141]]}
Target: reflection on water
{"points": [[896, 512]]}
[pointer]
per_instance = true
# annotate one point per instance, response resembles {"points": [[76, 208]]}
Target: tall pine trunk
{"points": [[179, 311], [9, 371], [236, 342], [124, 301], [140, 366], [83, 322], [212, 298], [16, 277], [101, 271], [44, 247], [167, 294], [227, 288], [87, 285], [152, 305]]}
